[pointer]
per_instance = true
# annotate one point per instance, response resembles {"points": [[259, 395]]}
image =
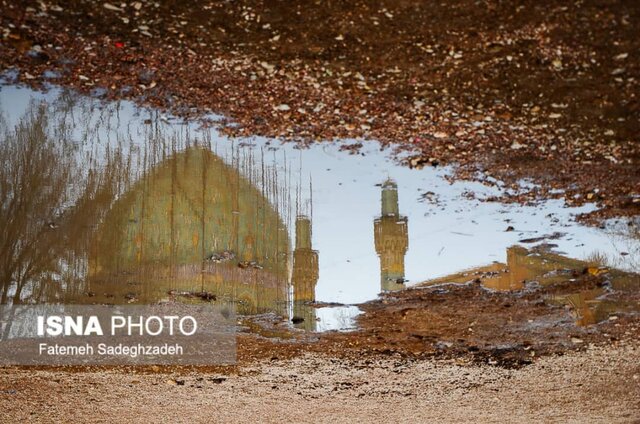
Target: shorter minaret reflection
{"points": [[305, 274], [391, 239]]}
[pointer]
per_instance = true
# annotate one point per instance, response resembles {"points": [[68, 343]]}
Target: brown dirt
{"points": [[537, 89], [598, 385], [507, 329]]}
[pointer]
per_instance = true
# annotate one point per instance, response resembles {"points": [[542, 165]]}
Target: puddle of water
{"points": [[108, 203]]}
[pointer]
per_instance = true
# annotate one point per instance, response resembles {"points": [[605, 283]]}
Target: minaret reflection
{"points": [[391, 238], [305, 273]]}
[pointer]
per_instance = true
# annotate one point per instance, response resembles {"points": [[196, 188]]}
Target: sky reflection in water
{"points": [[150, 206]]}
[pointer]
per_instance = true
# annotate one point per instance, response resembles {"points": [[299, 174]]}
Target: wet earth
{"points": [[541, 90], [346, 253]]}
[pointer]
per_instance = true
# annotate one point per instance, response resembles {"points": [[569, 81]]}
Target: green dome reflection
{"points": [[194, 223]]}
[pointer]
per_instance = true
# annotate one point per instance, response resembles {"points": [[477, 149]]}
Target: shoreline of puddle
{"points": [[300, 225]]}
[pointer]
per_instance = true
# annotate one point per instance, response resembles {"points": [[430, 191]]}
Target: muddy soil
{"points": [[506, 329], [529, 89], [457, 317]]}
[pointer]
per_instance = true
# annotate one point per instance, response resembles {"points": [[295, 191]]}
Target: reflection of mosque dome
{"points": [[184, 210]]}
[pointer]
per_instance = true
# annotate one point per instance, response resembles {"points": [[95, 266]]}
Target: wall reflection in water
{"points": [[529, 269], [146, 212], [92, 216]]}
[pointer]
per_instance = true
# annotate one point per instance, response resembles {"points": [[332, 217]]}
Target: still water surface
{"points": [[110, 203]]}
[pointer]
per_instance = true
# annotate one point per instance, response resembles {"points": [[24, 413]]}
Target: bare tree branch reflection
{"points": [[49, 207]]}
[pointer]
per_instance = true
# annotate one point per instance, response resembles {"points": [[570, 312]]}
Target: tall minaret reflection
{"points": [[305, 272], [391, 239]]}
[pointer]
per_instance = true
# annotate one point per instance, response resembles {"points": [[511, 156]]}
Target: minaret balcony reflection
{"points": [[391, 237]]}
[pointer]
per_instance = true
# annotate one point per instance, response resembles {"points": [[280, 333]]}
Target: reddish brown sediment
{"points": [[539, 90]]}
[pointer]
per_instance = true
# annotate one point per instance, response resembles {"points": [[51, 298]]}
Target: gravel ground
{"points": [[601, 384]]}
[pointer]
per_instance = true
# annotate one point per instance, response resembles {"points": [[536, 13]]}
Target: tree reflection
{"points": [[49, 207]]}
